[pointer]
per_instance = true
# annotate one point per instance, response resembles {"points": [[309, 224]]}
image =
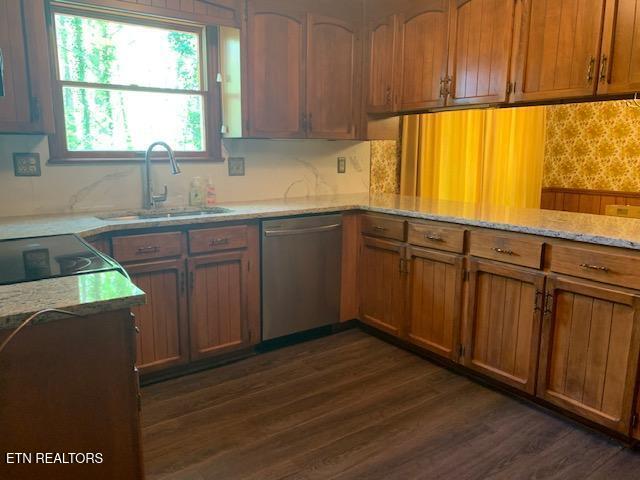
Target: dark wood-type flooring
{"points": [[351, 406]]}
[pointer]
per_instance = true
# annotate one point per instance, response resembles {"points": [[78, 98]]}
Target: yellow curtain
{"points": [[476, 156]]}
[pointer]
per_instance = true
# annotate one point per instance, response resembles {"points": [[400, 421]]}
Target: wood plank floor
{"points": [[351, 406]]}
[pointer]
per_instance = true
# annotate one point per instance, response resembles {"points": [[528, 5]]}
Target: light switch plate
{"points": [[342, 165], [236, 166], [26, 165]]}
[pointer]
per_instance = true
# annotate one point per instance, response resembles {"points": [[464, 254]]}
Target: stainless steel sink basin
{"points": [[159, 214]]}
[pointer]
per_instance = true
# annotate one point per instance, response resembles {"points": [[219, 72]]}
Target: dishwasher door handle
{"points": [[301, 231]]}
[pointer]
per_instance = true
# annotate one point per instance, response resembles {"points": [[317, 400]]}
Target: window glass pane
{"points": [[115, 120], [101, 51]]}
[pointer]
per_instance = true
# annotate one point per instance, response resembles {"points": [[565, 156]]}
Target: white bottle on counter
{"points": [[210, 199]]}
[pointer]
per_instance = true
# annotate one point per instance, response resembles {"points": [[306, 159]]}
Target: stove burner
{"points": [[74, 264]]}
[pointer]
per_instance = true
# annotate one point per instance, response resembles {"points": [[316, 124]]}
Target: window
{"points": [[123, 83]]}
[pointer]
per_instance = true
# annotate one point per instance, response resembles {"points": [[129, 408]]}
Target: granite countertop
{"points": [[82, 294], [93, 293], [596, 229]]}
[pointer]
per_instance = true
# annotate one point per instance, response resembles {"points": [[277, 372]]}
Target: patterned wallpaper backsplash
{"points": [[385, 166], [593, 146]]}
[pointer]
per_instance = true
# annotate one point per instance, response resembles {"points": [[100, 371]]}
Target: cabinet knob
{"points": [[502, 251], [433, 237], [590, 69]]}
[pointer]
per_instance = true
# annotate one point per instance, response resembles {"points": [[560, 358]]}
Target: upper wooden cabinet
{"points": [[276, 49], [620, 59], [423, 32], [25, 77], [333, 53], [303, 69], [559, 49], [589, 350], [480, 46], [380, 61]]}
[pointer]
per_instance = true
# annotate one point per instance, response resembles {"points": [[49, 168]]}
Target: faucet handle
{"points": [[162, 197]]}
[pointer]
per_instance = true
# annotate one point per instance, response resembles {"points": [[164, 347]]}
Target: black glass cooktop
{"points": [[28, 259]]}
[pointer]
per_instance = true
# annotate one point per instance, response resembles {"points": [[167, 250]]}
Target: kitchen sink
{"points": [[159, 214]]}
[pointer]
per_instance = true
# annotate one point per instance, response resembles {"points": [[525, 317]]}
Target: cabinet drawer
{"points": [[596, 264], [142, 247], [216, 239], [436, 235], [515, 249], [385, 227]]}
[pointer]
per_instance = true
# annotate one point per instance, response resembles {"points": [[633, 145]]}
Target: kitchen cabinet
{"points": [[203, 293], [218, 301], [480, 39], [589, 350], [276, 72], [333, 53], [380, 56], [69, 386], [25, 78], [162, 321], [303, 69], [620, 59], [503, 325], [382, 284], [435, 300], [559, 49], [423, 32]]}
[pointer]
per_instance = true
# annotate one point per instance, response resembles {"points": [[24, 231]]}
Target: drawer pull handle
{"points": [[594, 267], [148, 249], [380, 228], [219, 241], [433, 237], [503, 251]]}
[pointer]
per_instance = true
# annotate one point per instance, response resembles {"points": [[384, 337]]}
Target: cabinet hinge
{"points": [[461, 350], [466, 275], [634, 420]]}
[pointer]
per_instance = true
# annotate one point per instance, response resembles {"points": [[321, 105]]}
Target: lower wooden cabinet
{"points": [[163, 341], [382, 284], [218, 300], [435, 300], [589, 351], [503, 325], [198, 306]]}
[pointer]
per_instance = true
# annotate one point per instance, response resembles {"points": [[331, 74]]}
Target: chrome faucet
{"points": [[150, 200]]}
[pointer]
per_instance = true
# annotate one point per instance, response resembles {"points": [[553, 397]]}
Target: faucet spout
{"points": [[150, 200]]}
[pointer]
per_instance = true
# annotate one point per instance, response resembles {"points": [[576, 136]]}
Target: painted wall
{"points": [[274, 169]]}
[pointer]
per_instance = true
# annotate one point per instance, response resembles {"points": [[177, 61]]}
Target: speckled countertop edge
{"points": [[81, 294]]}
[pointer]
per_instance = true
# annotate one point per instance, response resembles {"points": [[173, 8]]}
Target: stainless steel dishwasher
{"points": [[301, 260]]}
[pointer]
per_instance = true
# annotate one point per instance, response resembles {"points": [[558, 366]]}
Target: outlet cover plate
{"points": [[342, 165], [26, 165], [236, 166]]}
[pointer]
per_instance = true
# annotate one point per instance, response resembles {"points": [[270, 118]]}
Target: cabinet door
{"points": [[423, 33], [25, 78], [162, 321], [333, 54], [380, 63], [276, 49], [559, 49], [382, 284], [480, 41], [589, 351], [503, 328], [435, 300], [620, 61], [218, 303]]}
